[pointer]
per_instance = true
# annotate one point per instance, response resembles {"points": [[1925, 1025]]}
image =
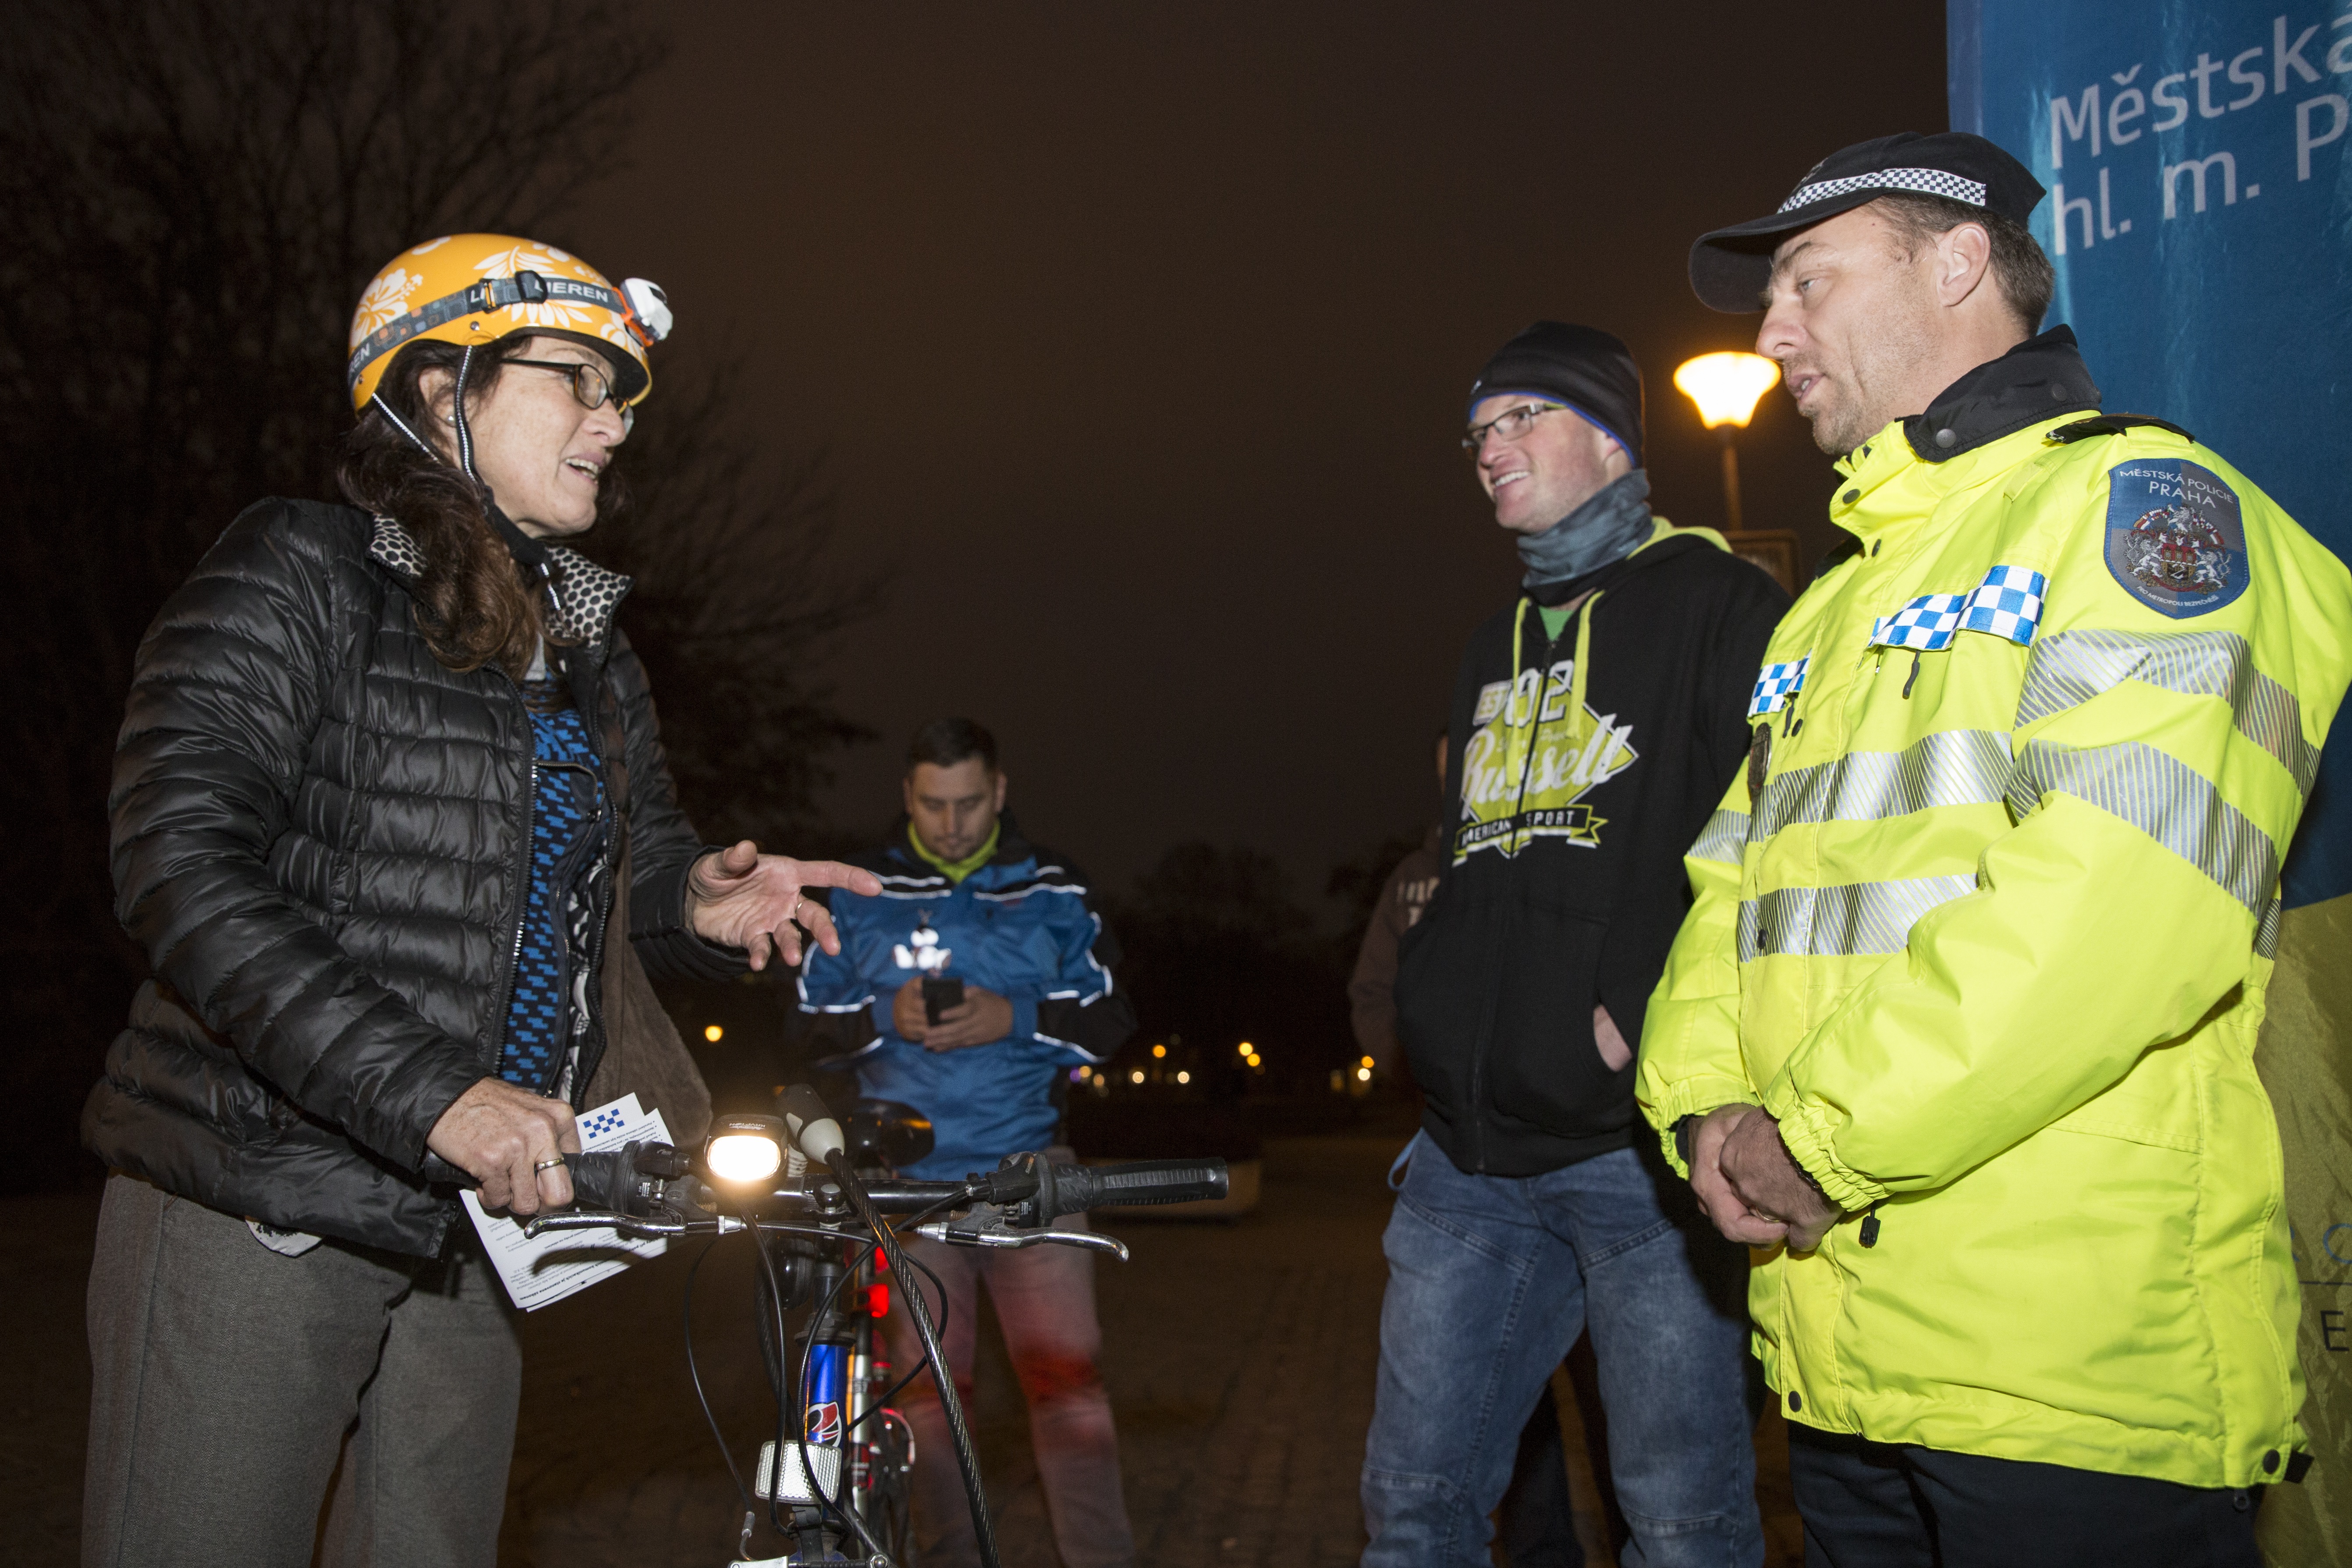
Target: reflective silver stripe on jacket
{"points": [[2071, 668], [2266, 933], [1836, 923], [1723, 838], [2164, 798], [1951, 767]]}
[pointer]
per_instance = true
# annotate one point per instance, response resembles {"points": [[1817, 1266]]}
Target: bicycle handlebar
{"points": [[1034, 1191]]}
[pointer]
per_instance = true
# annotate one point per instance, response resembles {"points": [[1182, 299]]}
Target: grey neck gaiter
{"points": [[1611, 525]]}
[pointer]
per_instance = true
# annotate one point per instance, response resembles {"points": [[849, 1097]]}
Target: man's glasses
{"points": [[1508, 425], [590, 384]]}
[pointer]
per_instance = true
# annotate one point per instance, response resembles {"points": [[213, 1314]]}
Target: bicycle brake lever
{"points": [[954, 1235], [631, 1225]]}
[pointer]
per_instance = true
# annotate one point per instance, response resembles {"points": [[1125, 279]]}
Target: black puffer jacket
{"points": [[320, 837]]}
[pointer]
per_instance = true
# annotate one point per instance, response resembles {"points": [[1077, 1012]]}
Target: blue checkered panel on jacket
{"points": [[567, 838]]}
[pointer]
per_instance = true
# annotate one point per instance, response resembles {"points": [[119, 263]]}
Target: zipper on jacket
{"points": [[1478, 1107], [521, 871]]}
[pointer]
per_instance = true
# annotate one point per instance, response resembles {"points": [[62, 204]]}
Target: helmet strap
{"points": [[532, 555], [457, 417], [402, 425]]}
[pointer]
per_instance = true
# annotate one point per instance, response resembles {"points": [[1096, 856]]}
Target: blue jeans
{"points": [[1490, 1280]]}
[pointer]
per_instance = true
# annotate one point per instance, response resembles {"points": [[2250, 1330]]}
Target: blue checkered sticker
{"points": [[2007, 604], [607, 1120], [1775, 686]]}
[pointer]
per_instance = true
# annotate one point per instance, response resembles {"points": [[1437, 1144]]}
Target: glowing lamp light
{"points": [[713, 1033], [1245, 1048], [745, 1149], [1364, 1074], [1726, 387], [1183, 1077], [1366, 1062], [1135, 1077], [1160, 1050]]}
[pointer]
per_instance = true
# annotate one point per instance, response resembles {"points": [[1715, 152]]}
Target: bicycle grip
{"points": [[1137, 1183]]}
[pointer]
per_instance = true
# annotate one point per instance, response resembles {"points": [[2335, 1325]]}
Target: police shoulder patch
{"points": [[2175, 536]]}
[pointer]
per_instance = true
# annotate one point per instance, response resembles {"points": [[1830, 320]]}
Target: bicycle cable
{"points": [[816, 1487], [694, 1375], [943, 1377], [945, 1309]]}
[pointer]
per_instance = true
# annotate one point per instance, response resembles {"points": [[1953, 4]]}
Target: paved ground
{"points": [[1240, 1364]]}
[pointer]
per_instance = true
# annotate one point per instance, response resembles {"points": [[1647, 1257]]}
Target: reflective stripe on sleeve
{"points": [[1723, 838], [2164, 798], [2266, 933], [1840, 921], [1952, 767], [2071, 668]]}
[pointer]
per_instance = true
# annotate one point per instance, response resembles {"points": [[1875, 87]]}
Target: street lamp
{"points": [[1726, 387]]}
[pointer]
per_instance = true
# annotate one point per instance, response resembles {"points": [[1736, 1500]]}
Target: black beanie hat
{"points": [[1583, 367]]}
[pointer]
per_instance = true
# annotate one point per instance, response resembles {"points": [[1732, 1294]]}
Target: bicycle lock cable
{"points": [[943, 1377]]}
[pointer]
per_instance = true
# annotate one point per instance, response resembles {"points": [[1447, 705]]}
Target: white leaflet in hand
{"points": [[561, 1262]]}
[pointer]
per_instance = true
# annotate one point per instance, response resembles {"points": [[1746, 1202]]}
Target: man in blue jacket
{"points": [[964, 897]]}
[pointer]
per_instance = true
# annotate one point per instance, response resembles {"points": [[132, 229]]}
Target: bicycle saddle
{"points": [[885, 1131]]}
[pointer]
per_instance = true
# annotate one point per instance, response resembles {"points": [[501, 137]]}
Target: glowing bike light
{"points": [[744, 1149]]}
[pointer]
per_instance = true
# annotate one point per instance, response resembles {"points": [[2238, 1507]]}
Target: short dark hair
{"points": [[2024, 274], [944, 742]]}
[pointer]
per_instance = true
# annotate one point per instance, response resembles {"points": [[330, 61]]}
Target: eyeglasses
{"points": [[1508, 425], [590, 384]]}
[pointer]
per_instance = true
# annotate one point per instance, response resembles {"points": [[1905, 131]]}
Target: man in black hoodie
{"points": [[1596, 723]]}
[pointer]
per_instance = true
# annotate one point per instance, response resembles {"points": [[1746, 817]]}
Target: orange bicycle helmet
{"points": [[474, 288]]}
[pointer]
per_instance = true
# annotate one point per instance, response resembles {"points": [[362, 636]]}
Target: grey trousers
{"points": [[228, 1381]]}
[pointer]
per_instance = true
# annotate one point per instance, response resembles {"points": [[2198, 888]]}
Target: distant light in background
{"points": [[1364, 1074], [1160, 1050], [1724, 387], [1077, 1075], [713, 1033], [1245, 1048], [1183, 1077], [1367, 1062], [1135, 1077]]}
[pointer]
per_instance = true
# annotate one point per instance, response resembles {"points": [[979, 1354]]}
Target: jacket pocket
{"points": [[1445, 969], [1545, 1067]]}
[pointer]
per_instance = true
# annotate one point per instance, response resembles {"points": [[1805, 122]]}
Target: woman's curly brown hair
{"points": [[474, 603]]}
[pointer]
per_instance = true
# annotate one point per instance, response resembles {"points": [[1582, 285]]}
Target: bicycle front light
{"points": [[744, 1149]]}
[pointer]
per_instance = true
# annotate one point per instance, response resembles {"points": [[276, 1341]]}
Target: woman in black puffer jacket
{"points": [[392, 821]]}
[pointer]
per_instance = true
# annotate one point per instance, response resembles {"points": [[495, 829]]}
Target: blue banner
{"points": [[2200, 218], [2199, 215]]}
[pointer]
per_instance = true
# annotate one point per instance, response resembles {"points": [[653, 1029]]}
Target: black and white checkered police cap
{"points": [[1730, 267]]}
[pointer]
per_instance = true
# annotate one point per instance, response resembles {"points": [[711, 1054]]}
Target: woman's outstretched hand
{"points": [[741, 898]]}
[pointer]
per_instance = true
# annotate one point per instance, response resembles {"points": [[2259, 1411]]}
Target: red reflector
{"points": [[877, 1300]]}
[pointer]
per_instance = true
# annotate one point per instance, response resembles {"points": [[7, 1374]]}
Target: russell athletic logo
{"points": [[1531, 763]]}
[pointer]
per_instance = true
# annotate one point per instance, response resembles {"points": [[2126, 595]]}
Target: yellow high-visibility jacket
{"points": [[1986, 924]]}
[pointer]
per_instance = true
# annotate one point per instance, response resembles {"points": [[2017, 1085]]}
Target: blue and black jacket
{"points": [[1022, 926]]}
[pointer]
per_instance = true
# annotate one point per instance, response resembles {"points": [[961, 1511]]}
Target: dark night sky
{"points": [[1137, 338]]}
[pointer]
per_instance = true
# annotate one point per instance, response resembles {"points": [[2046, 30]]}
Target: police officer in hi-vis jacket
{"points": [[1961, 1027]]}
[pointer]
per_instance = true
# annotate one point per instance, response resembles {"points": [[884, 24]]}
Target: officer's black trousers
{"points": [[1879, 1505]]}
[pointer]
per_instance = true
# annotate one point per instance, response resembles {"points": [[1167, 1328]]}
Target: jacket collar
{"points": [[2040, 378], [1011, 848], [587, 594]]}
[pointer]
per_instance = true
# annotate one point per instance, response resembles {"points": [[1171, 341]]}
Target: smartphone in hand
{"points": [[939, 994]]}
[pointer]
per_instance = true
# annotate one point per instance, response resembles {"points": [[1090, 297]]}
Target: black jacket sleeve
{"points": [[229, 684], [663, 844]]}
